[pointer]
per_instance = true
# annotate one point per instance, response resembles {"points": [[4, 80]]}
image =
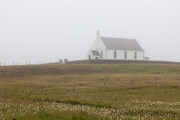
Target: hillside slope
{"points": [[19, 71]]}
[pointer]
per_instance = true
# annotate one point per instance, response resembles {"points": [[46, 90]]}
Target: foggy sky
{"points": [[44, 30]]}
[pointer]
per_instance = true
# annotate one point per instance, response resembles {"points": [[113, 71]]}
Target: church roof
{"points": [[121, 44], [95, 52]]}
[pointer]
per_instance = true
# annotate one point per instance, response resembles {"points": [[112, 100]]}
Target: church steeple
{"points": [[98, 33]]}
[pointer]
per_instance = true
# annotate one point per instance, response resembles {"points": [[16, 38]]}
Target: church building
{"points": [[115, 48]]}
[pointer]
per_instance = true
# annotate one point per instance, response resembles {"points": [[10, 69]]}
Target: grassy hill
{"points": [[104, 91], [15, 71]]}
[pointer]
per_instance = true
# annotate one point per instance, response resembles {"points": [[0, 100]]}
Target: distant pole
{"points": [[73, 88], [40, 90], [5, 90], [132, 84]]}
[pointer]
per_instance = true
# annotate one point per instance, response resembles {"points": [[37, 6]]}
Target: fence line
{"points": [[57, 89]]}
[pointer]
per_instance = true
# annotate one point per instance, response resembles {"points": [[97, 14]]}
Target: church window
{"points": [[135, 55], [125, 55], [101, 54], [115, 54]]}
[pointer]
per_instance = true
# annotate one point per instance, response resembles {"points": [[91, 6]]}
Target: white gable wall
{"points": [[99, 46], [93, 47], [95, 44]]}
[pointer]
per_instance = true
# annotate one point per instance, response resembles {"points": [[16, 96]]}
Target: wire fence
{"points": [[27, 63], [79, 88]]}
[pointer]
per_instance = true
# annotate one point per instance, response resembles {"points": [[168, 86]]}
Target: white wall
{"points": [[89, 53], [92, 56], [99, 46], [140, 55], [120, 55], [95, 44]]}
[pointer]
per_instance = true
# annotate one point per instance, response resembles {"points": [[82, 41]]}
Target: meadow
{"points": [[90, 92]]}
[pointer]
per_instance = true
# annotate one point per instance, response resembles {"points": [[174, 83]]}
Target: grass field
{"points": [[90, 92]]}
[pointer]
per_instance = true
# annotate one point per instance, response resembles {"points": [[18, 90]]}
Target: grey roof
{"points": [[121, 44], [95, 52]]}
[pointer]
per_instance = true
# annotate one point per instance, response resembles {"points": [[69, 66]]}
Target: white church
{"points": [[115, 48]]}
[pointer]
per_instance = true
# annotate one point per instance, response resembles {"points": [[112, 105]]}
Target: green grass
{"points": [[90, 92], [65, 115], [19, 71]]}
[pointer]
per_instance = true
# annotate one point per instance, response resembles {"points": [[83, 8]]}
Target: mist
{"points": [[49, 30]]}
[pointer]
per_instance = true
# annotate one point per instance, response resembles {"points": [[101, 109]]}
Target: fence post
{"points": [[73, 89], [26, 90], [40, 90], [18, 91], [49, 90], [132, 84], [5, 91]]}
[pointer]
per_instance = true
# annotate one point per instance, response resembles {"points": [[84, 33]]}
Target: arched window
{"points": [[115, 55], [89, 57], [101, 54], [125, 55], [135, 55]]}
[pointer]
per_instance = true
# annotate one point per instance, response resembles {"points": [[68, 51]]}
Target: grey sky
{"points": [[44, 30]]}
